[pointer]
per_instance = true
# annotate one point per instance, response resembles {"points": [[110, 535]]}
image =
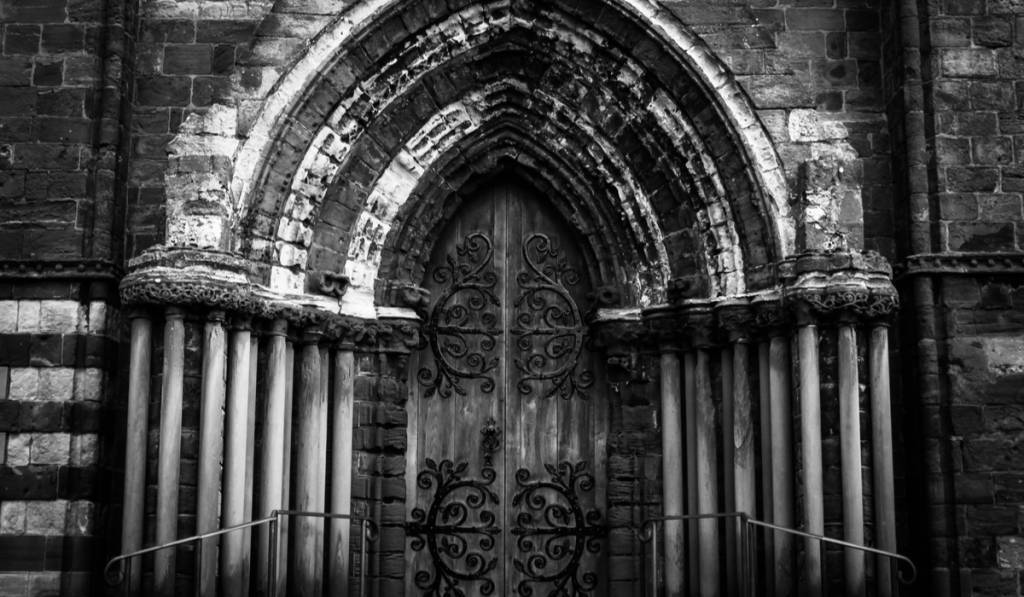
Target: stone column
{"points": [[767, 474], [690, 400], [672, 457], [850, 452], [272, 477], [698, 327], [135, 441], [302, 570], [320, 503], [881, 450], [235, 446], [250, 462], [286, 488], [170, 451], [341, 469], [211, 446], [738, 429], [810, 444], [782, 461]]}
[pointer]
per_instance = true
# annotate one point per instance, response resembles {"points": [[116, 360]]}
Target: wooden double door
{"points": [[508, 422]]}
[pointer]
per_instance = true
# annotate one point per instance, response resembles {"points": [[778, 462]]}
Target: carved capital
{"points": [[698, 326], [737, 318]]}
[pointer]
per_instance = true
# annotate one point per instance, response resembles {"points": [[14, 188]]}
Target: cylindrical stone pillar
{"points": [[810, 446], [235, 445], [286, 489], [850, 454], [302, 570], [782, 463], [341, 469], [707, 477], [211, 446], [767, 474], [690, 398], [135, 442], [728, 469], [272, 469], [250, 462], [672, 457], [881, 450], [169, 458]]}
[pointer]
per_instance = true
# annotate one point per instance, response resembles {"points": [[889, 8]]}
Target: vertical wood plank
{"points": [[170, 451], [272, 476], [211, 445], [135, 442], [850, 456], [235, 446]]}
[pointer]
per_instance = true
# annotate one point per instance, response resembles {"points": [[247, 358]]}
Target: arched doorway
{"points": [[509, 424]]}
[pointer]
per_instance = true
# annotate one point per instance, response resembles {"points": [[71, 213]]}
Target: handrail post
{"points": [[654, 560], [198, 574], [272, 558], [362, 563], [822, 547]]}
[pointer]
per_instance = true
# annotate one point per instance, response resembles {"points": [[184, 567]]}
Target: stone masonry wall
{"points": [[58, 346]]}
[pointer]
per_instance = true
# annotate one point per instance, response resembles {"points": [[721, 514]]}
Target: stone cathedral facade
{"points": [[465, 297]]}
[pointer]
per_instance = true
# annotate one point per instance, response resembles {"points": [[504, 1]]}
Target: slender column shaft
{"points": [[672, 457], [690, 397], [743, 439], [707, 478], [881, 449], [810, 442], [170, 451], [767, 474], [272, 469], [286, 489], [135, 443], [728, 469], [235, 444], [302, 576], [250, 463], [341, 469], [321, 490], [853, 488], [211, 445], [782, 463]]}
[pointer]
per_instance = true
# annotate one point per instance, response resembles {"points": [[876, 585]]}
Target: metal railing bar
{"points": [[647, 534], [371, 530]]}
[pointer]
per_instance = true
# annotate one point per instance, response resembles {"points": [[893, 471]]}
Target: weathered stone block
{"points": [[51, 448], [12, 518], [28, 316], [24, 383], [1011, 552], [56, 384], [45, 518]]}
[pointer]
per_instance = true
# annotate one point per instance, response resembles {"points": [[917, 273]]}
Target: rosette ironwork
{"points": [[554, 532], [546, 313], [461, 329], [459, 547]]}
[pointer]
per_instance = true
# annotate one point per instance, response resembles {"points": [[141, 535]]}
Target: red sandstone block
{"points": [[164, 91], [21, 39], [33, 11], [63, 38], [188, 59], [815, 19]]}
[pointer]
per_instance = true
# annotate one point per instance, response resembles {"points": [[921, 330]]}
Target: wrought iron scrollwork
{"points": [[460, 315], [446, 530], [553, 319], [556, 534]]}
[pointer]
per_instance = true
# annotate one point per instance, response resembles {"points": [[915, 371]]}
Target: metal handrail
{"points": [[748, 553], [370, 532]]}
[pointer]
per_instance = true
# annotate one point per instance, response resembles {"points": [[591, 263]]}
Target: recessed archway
{"points": [[659, 166]]}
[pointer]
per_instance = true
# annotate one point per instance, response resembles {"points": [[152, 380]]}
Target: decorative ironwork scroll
{"points": [[459, 316], [567, 532], [553, 319], [446, 530]]}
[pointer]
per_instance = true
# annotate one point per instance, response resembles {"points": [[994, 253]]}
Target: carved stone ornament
{"points": [[75, 269], [971, 264], [331, 284]]}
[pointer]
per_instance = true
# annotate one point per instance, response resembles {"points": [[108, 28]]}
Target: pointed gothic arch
{"points": [[654, 152]]}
